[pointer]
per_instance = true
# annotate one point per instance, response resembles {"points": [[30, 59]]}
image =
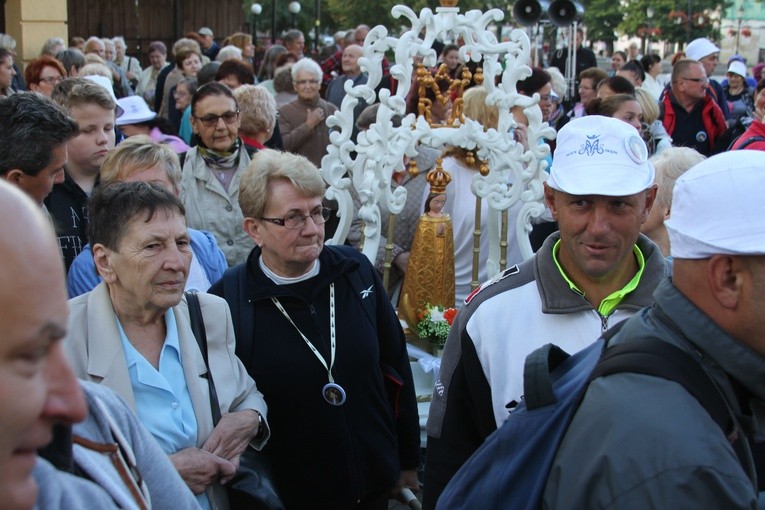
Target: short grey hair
{"points": [[229, 52], [120, 42], [257, 109], [141, 153], [309, 65], [52, 43], [268, 166]]}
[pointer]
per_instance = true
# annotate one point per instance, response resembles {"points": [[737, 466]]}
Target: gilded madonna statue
{"points": [[429, 277]]}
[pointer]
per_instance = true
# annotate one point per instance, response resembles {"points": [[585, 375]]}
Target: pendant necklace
{"points": [[332, 392]]}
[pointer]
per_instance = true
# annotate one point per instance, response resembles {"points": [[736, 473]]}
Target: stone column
{"points": [[31, 22]]}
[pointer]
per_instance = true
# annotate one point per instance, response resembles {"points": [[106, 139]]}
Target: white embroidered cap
{"points": [[598, 155], [717, 207]]}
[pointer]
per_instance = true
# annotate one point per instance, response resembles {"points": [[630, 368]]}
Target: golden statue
{"points": [[429, 277]]}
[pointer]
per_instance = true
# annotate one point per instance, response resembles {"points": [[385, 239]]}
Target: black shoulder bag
{"points": [[252, 487]]}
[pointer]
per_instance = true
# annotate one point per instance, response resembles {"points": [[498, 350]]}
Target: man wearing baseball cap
{"points": [[639, 441], [593, 273], [704, 51]]}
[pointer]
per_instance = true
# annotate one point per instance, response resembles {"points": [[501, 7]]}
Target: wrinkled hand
{"points": [[232, 434], [314, 117], [407, 479], [199, 468]]}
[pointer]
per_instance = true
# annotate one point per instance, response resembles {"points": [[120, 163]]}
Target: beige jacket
{"points": [[94, 348], [210, 207]]}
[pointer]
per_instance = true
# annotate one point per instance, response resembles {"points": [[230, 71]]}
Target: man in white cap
{"points": [[639, 441], [593, 273], [704, 51]]}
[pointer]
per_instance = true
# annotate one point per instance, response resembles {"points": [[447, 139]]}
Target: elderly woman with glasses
{"points": [[303, 121], [213, 169], [44, 73], [314, 325], [133, 333]]}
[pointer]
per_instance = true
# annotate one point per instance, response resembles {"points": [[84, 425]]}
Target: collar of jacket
{"points": [[735, 358], [333, 265], [557, 296]]}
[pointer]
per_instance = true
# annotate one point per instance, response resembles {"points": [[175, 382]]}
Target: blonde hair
{"points": [[268, 166], [474, 107], [648, 104], [670, 164], [257, 109], [140, 153], [94, 68]]}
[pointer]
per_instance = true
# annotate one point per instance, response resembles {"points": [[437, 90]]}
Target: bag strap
{"points": [[657, 358], [539, 366], [748, 141], [198, 328]]}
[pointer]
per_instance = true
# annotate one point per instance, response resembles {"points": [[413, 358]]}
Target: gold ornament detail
{"points": [[438, 178]]}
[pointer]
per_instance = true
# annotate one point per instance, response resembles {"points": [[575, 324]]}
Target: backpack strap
{"points": [[539, 366], [657, 358]]}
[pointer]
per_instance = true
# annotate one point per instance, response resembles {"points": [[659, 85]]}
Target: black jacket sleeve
{"points": [[461, 415]]}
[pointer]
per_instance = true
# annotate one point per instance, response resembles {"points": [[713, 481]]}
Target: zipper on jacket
{"points": [[603, 321]]}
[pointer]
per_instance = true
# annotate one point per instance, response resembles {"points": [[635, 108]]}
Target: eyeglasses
{"points": [[295, 221], [546, 97], [212, 120], [303, 83], [52, 80], [704, 80]]}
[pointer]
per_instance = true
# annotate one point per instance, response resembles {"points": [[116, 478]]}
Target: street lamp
{"points": [[294, 8], [649, 16], [256, 9], [317, 27]]}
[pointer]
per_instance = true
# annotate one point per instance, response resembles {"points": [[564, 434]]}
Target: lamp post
{"points": [[688, 24], [317, 27], [294, 8], [738, 30], [649, 19], [256, 9]]}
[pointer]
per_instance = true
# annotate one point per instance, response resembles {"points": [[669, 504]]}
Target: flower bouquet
{"points": [[434, 322]]}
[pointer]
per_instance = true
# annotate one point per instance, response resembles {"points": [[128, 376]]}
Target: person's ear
{"points": [[650, 201], [14, 176], [726, 277], [103, 259], [550, 201], [252, 227]]}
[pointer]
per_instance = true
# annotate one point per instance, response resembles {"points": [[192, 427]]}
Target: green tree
{"points": [[670, 19], [602, 18]]}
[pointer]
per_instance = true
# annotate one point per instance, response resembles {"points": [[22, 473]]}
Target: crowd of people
{"points": [[142, 191]]}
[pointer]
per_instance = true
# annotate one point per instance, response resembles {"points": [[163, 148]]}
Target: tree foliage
{"points": [[670, 19], [602, 17]]}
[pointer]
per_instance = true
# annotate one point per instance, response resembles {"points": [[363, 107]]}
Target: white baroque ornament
{"points": [[515, 173]]}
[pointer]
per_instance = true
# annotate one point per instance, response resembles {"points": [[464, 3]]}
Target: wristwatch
{"points": [[261, 429]]}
